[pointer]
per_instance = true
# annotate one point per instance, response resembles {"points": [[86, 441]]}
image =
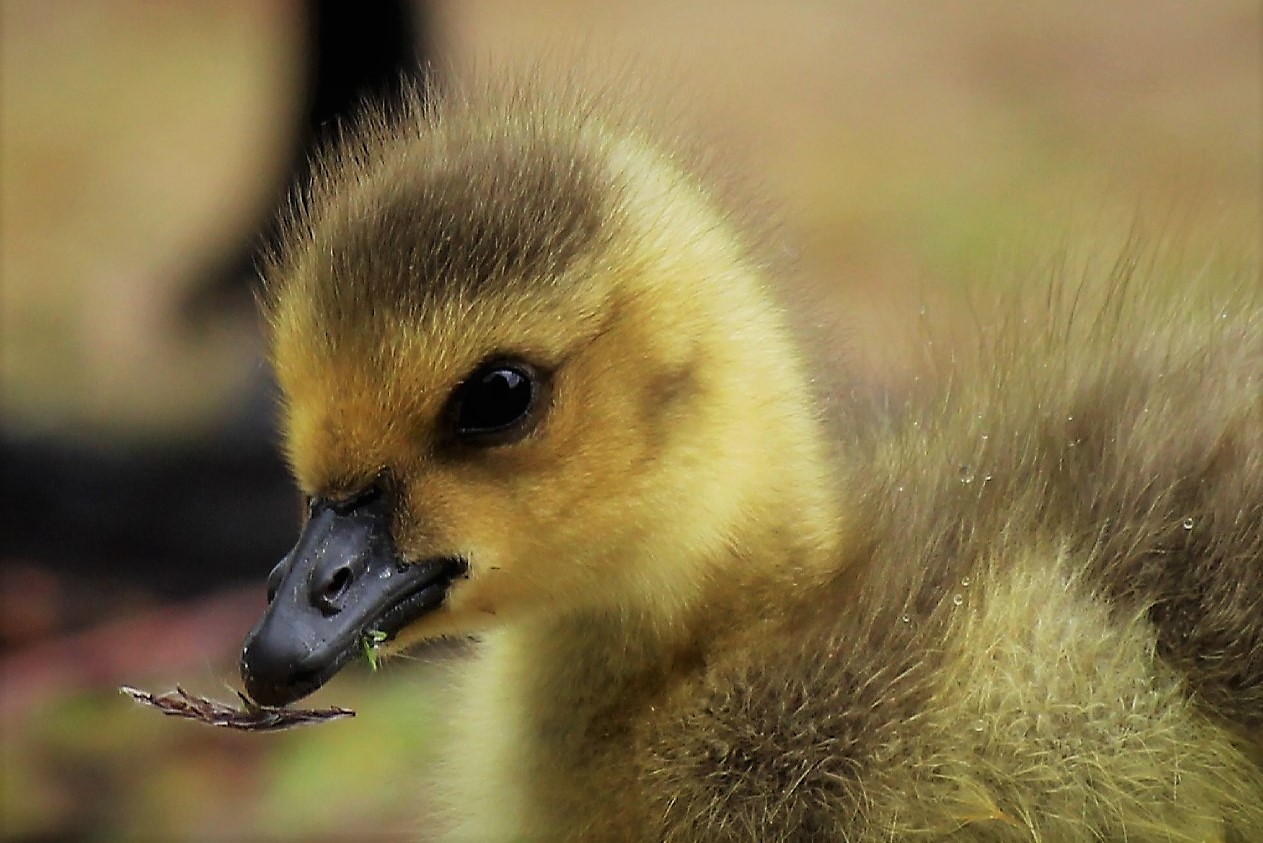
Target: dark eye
{"points": [[494, 404]]}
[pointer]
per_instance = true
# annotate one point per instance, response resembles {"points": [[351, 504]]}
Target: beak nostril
{"points": [[338, 582], [334, 587]]}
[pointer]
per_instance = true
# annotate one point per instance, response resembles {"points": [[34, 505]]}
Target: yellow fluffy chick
{"points": [[536, 391]]}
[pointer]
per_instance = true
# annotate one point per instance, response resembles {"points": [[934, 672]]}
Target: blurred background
{"points": [[903, 151]]}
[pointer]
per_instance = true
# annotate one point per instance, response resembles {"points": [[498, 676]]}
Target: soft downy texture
{"points": [[1058, 631], [1022, 605]]}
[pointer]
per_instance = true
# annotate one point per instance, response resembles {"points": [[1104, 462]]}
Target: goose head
{"points": [[526, 367]]}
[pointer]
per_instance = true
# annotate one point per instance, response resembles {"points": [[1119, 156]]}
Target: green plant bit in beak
{"points": [[372, 639]]}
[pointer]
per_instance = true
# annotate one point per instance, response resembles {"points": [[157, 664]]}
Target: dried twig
{"points": [[251, 717]]}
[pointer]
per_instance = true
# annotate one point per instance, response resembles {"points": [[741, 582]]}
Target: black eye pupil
{"points": [[494, 400]]}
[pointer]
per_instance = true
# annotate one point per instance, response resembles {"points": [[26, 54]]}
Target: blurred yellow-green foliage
{"points": [[905, 146]]}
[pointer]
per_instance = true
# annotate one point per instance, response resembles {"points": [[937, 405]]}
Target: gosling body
{"points": [[1027, 606]]}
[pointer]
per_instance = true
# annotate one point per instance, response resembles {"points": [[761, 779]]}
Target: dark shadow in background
{"points": [[176, 519]]}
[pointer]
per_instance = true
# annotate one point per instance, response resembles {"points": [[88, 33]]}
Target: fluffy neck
{"points": [[556, 705]]}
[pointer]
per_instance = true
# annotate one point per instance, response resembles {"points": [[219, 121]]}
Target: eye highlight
{"points": [[496, 404]]}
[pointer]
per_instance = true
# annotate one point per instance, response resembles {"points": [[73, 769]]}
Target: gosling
{"points": [[536, 391]]}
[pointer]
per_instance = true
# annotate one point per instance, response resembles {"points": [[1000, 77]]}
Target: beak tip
{"points": [[271, 676]]}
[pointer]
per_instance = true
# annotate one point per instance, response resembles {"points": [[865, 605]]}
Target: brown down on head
{"points": [[1027, 607]]}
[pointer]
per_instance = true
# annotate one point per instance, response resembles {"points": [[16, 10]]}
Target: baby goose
{"points": [[535, 390]]}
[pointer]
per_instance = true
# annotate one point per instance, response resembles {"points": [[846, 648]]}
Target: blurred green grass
{"points": [[90, 765], [911, 149]]}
